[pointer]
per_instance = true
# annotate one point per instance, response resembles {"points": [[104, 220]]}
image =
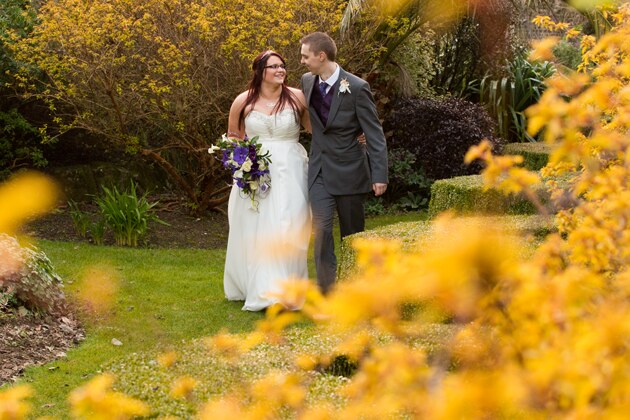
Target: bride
{"points": [[268, 245]]}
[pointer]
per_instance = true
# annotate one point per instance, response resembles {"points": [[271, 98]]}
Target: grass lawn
{"points": [[164, 296]]}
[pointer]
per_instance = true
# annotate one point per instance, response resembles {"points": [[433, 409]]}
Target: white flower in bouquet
{"points": [[247, 165]]}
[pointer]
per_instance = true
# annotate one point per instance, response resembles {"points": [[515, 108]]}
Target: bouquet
{"points": [[247, 164]]}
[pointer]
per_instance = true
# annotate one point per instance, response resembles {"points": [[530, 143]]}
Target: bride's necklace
{"points": [[270, 103]]}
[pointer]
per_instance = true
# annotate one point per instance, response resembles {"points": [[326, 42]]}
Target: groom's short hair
{"points": [[320, 41]]}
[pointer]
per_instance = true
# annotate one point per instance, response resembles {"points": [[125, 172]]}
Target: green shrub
{"points": [[20, 144], [408, 188], [535, 154], [126, 214], [80, 219], [567, 54], [27, 278], [466, 195], [439, 132], [458, 53], [374, 206], [85, 226], [20, 140], [415, 64], [507, 98], [97, 230]]}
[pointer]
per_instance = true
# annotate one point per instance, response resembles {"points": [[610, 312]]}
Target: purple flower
{"points": [[240, 154]]}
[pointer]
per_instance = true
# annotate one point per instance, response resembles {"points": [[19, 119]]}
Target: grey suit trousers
{"points": [[351, 220]]}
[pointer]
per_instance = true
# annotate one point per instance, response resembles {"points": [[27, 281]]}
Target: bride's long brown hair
{"points": [[253, 88]]}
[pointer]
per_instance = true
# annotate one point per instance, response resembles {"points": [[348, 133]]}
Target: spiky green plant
{"points": [[126, 214]]}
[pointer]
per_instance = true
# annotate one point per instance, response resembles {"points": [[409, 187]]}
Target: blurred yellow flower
{"points": [[223, 408], [543, 49], [96, 400], [166, 360], [24, 196], [279, 389], [13, 403], [98, 289], [183, 387]]}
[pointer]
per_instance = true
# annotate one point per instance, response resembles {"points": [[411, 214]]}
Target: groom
{"points": [[341, 171]]}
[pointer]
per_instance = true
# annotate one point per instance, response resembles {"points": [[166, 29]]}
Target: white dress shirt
{"points": [[332, 79]]}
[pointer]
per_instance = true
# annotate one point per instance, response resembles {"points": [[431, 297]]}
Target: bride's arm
{"points": [[235, 130], [304, 117], [306, 121]]}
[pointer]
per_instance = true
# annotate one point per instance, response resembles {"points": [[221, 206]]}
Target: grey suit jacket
{"points": [[347, 167]]}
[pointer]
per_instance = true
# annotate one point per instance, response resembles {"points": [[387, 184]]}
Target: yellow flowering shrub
{"points": [[157, 77]]}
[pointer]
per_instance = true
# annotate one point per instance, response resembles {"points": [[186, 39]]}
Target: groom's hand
{"points": [[379, 189]]}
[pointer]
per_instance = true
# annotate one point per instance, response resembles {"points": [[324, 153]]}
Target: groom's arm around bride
{"points": [[341, 171]]}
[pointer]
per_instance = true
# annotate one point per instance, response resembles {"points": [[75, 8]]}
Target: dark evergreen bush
{"points": [[439, 132], [20, 140], [408, 190]]}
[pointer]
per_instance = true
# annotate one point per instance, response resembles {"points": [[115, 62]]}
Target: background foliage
{"points": [[19, 137], [157, 77], [439, 132]]}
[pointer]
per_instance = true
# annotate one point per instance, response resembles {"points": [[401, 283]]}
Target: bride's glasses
{"points": [[276, 66]]}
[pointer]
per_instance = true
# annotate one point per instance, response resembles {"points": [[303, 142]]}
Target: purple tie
{"points": [[322, 88]]}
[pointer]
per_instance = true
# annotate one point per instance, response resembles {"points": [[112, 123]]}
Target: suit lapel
{"points": [[308, 87], [337, 98]]}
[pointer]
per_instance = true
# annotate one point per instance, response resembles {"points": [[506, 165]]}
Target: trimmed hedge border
{"points": [[536, 155], [415, 235], [466, 195]]}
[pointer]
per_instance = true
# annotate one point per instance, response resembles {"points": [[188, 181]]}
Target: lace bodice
{"points": [[281, 126]]}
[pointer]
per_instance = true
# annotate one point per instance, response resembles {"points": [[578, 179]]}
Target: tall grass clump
{"points": [[507, 98], [126, 214]]}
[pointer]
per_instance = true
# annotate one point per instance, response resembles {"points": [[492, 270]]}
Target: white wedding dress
{"points": [[268, 247]]}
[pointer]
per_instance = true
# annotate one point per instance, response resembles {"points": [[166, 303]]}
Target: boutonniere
{"points": [[344, 86]]}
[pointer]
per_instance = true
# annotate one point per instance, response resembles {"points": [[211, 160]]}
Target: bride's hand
{"points": [[361, 139]]}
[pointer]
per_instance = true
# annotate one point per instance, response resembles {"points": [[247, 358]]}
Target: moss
{"points": [[466, 195], [536, 155]]}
